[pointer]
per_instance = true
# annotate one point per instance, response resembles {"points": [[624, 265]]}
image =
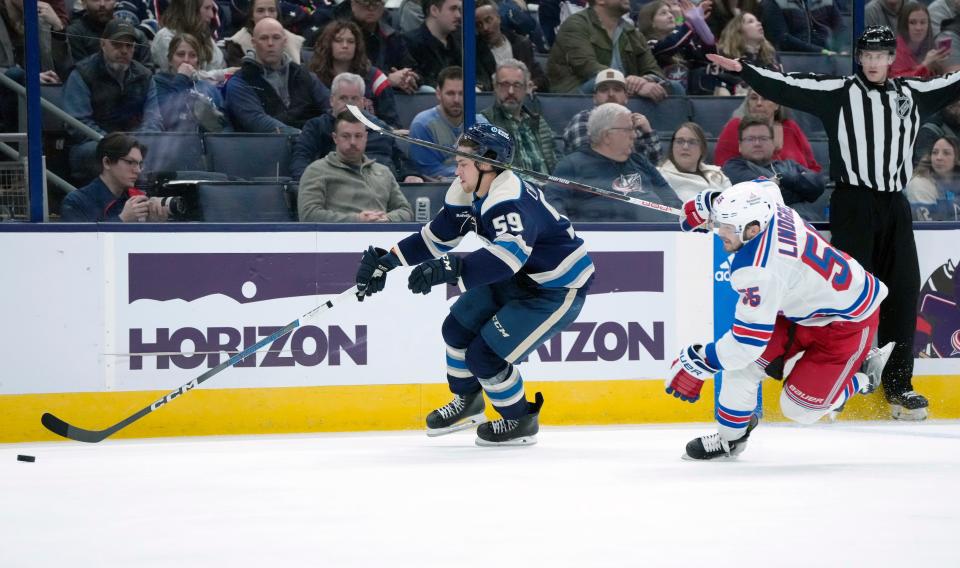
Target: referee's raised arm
{"points": [[807, 92]]}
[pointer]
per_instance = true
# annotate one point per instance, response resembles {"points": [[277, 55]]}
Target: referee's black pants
{"points": [[876, 228]]}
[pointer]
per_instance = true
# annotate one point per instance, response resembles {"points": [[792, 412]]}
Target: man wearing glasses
{"points": [[797, 183], [109, 92], [531, 135], [112, 197], [610, 161]]}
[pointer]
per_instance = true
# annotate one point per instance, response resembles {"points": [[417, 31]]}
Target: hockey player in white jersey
{"points": [[797, 295]]}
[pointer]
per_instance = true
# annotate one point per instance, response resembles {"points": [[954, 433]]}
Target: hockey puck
{"points": [[23, 458]]}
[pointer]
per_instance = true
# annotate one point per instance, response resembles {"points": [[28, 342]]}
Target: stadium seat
{"points": [[245, 156], [559, 109], [409, 106], [54, 94], [810, 63], [171, 151], [435, 192], [713, 113], [821, 152], [244, 202], [664, 116], [809, 124]]}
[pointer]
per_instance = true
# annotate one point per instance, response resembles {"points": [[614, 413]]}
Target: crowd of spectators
{"points": [[291, 67]]}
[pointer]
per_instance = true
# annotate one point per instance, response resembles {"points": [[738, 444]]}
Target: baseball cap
{"points": [[609, 76], [119, 29]]}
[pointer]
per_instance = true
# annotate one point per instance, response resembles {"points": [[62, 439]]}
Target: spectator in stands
{"points": [[495, 45], [945, 123], [611, 87], [797, 183], [610, 161], [112, 196], [54, 55], [789, 141], [436, 44], [240, 44], [110, 92], [188, 103], [942, 11], [916, 56], [346, 186], [813, 26], [193, 17], [679, 49], [316, 139], [83, 33], [531, 135], [882, 13], [743, 39], [385, 47], [409, 16], [584, 48], [269, 93], [934, 189], [442, 124], [725, 10], [340, 49], [685, 168]]}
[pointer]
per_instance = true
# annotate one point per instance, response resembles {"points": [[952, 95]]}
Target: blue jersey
{"points": [[522, 233]]}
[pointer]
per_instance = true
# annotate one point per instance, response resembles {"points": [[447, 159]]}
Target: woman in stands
{"points": [[339, 49], [916, 56], [743, 38], [197, 18], [679, 49], [726, 10], [934, 189], [187, 102], [241, 43], [685, 168], [790, 142]]}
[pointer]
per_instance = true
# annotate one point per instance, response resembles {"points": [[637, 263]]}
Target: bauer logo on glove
{"points": [[688, 373]]}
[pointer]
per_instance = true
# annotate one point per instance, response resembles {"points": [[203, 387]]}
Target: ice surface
{"points": [[847, 494]]}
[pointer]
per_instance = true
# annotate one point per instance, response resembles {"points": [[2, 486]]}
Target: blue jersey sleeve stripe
{"points": [[710, 356], [754, 326]]}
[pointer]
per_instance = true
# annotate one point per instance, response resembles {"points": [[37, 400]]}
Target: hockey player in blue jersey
{"points": [[524, 286]]}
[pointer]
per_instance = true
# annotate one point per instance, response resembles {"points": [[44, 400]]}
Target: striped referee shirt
{"points": [[870, 128]]}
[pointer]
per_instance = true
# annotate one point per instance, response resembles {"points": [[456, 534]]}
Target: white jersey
{"points": [[790, 270]]}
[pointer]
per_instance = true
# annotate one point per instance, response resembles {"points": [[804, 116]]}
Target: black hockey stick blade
{"points": [[612, 194], [71, 432]]}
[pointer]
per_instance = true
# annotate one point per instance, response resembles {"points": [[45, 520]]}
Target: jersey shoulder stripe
{"points": [[756, 252], [505, 187], [456, 197]]}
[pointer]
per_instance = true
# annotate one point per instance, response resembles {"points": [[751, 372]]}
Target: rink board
{"points": [[94, 297]]}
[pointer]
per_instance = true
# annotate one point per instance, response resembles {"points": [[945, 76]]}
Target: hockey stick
{"points": [[529, 173], [61, 428]]}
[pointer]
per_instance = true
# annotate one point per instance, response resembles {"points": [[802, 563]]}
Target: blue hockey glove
{"points": [[426, 275], [696, 212], [372, 272], [688, 373]]}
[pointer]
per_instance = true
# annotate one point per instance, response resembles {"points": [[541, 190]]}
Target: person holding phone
{"points": [[916, 54]]}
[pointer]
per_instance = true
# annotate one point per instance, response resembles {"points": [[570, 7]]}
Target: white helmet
{"points": [[745, 203]]}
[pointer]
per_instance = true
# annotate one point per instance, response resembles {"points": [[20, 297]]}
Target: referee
{"points": [[871, 122]]}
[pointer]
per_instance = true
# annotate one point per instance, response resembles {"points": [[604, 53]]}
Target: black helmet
{"points": [[877, 38]]}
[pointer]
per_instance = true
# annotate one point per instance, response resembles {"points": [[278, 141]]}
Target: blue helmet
{"points": [[493, 142]]}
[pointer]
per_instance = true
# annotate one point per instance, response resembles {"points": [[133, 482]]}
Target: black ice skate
{"points": [[520, 432], [464, 411], [908, 406], [713, 447]]}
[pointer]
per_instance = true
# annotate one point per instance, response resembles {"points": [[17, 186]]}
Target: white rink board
{"points": [[80, 316]]}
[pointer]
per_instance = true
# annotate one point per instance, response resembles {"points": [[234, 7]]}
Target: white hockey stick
{"points": [[60, 427], [529, 173]]}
